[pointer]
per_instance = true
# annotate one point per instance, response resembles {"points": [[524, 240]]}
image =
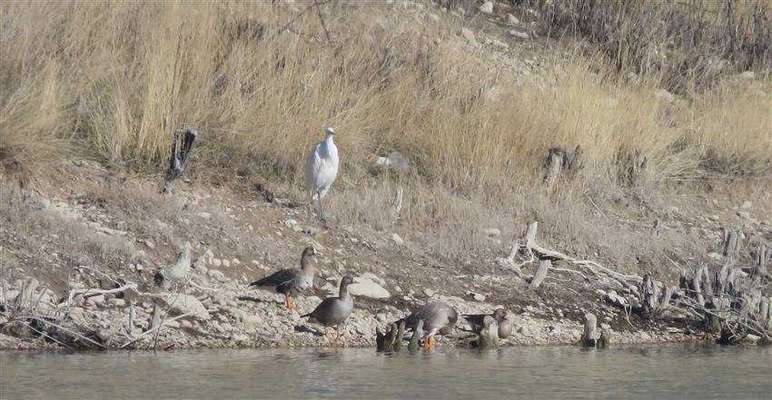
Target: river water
{"points": [[651, 372]]}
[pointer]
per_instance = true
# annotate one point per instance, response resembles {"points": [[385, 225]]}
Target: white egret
{"points": [[322, 168]]}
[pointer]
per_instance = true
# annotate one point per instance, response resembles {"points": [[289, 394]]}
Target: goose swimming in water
{"points": [[291, 281], [333, 311], [322, 169]]}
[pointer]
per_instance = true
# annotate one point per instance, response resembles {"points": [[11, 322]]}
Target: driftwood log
{"points": [[182, 144]]}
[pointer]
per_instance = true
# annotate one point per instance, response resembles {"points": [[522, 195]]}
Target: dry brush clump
{"points": [[112, 82], [688, 45]]}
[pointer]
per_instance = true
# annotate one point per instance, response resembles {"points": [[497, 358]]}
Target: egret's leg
{"points": [[321, 206]]}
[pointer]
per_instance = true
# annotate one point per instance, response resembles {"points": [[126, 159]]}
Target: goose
{"points": [[333, 311], [322, 169], [437, 316], [291, 281], [476, 321]]}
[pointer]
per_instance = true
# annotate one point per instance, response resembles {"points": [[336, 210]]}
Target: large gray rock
{"points": [[185, 304], [367, 287], [487, 7]]}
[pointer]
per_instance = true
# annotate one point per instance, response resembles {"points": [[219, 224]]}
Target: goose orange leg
{"points": [[288, 302]]}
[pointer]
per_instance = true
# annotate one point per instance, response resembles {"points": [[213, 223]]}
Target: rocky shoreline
{"points": [[218, 312]]}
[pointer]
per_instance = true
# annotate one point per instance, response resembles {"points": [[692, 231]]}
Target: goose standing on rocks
{"points": [[437, 316], [322, 169], [291, 281], [333, 311], [476, 321]]}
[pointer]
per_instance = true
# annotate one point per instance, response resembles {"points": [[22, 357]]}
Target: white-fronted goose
{"points": [[291, 281], [437, 316], [333, 311], [501, 317]]}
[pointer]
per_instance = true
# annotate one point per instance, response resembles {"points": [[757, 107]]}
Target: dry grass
{"points": [[111, 82], [688, 45]]}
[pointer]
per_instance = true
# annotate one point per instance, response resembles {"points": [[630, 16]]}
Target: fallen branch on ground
{"points": [[89, 292]]}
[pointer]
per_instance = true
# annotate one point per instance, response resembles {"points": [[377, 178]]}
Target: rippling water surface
{"points": [[652, 372]]}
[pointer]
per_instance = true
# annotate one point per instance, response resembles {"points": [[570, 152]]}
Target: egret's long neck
{"points": [[328, 145]]}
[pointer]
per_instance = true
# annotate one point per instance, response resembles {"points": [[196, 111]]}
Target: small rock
{"points": [[235, 262], [204, 215], [487, 7], [97, 301], [217, 275], [492, 232], [752, 339], [116, 302], [172, 324], [476, 296], [748, 75], [185, 324], [150, 245], [512, 20], [519, 34], [664, 95], [226, 263], [746, 205], [499, 44], [397, 239], [290, 223], [744, 214], [429, 292], [434, 17], [715, 256], [202, 269], [468, 35], [11, 295], [139, 267], [216, 262]]}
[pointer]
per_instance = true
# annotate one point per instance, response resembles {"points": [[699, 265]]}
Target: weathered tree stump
{"points": [[541, 273], [732, 244], [591, 335], [182, 144], [763, 316], [130, 322], [561, 163], [631, 166], [760, 262]]}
